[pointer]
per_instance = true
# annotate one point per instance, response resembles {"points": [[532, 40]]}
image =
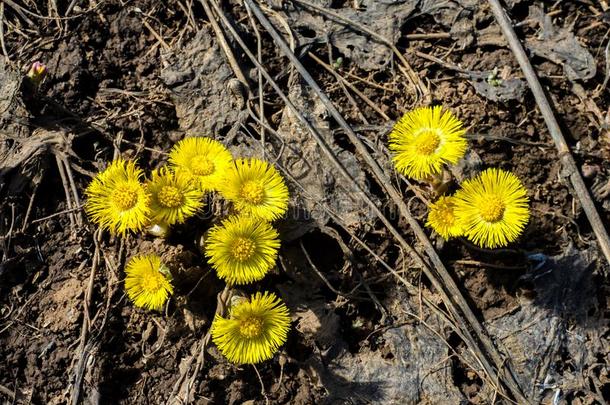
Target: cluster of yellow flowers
{"points": [[242, 249], [490, 209]]}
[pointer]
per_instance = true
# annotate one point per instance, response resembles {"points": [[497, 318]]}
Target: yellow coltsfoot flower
{"points": [[148, 282], [492, 207], [116, 200], [254, 330], [425, 139], [256, 188], [242, 249], [203, 158], [442, 218], [175, 196]]}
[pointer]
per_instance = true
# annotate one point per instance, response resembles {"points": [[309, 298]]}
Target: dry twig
{"points": [[2, 31], [261, 103]]}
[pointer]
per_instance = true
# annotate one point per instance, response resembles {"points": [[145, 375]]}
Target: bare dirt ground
{"points": [[134, 77]]}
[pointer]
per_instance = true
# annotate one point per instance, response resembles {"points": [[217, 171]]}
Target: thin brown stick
{"points": [[9, 234], [370, 83], [352, 101], [75, 209], [9, 393], [580, 189], [30, 206], [64, 181], [2, 31], [488, 265], [19, 10], [77, 203], [70, 7], [431, 35], [53, 8], [440, 61], [261, 101], [260, 380], [156, 35]]}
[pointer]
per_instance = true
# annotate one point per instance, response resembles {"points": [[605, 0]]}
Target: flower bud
{"points": [[160, 230], [37, 73]]}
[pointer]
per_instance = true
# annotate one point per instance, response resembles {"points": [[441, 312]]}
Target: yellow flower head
{"points": [[203, 158], [254, 330], [492, 207], [242, 249], [148, 282], [174, 196], [424, 139], [116, 200], [256, 188], [442, 218]]}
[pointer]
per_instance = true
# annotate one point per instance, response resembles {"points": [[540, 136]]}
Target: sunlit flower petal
{"points": [[116, 200], [425, 139], [205, 159], [254, 330], [174, 196], [442, 218], [148, 282], [242, 249], [256, 188], [492, 207]]}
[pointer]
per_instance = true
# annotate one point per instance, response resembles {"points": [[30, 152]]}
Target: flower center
{"points": [[427, 142], [202, 166], [253, 192], [170, 197], [447, 217], [243, 249], [444, 212], [493, 209], [152, 282], [251, 327], [125, 197]]}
